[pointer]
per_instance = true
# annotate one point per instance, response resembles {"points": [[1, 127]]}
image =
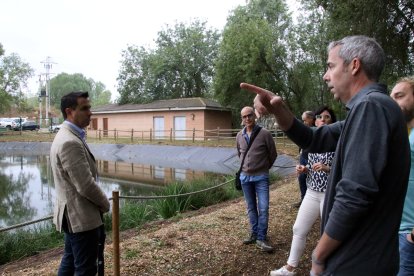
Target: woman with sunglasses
{"points": [[317, 171]]}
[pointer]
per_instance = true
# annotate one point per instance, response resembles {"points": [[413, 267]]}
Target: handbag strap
{"points": [[254, 134]]}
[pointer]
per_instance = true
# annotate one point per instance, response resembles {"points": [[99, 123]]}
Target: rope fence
{"points": [[115, 218]]}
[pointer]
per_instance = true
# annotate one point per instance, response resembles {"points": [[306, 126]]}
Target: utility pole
{"points": [[40, 101], [47, 64]]}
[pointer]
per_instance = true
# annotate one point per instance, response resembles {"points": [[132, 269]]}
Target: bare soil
{"points": [[203, 242]]}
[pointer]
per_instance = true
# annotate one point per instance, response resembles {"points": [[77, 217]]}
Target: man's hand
{"points": [[265, 101]]}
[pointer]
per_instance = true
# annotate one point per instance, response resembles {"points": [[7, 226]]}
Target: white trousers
{"points": [[309, 211]]}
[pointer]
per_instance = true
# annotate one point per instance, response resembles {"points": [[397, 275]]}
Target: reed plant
{"points": [[171, 206], [27, 242]]}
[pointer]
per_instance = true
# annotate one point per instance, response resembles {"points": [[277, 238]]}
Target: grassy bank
{"points": [[133, 214]]}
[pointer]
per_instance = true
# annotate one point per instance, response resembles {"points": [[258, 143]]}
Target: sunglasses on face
{"points": [[248, 116], [325, 117]]}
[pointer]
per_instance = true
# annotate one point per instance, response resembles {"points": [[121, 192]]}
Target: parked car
{"points": [[11, 123], [28, 125], [54, 128]]}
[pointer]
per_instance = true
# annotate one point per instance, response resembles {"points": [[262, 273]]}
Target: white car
{"points": [[11, 123]]}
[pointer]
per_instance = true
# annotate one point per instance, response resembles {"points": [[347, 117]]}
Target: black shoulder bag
{"points": [[237, 182]]}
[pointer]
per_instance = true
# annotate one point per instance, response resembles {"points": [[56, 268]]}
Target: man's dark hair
{"points": [[71, 101]]}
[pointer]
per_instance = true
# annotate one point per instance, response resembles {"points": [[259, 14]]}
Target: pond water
{"points": [[27, 187]]}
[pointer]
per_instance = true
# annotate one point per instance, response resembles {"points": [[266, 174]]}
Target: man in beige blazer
{"points": [[80, 202]]}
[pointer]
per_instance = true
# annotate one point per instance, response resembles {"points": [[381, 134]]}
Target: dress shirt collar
{"points": [[77, 129], [373, 87]]}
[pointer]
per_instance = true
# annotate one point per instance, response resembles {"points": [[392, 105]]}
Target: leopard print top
{"points": [[317, 180]]}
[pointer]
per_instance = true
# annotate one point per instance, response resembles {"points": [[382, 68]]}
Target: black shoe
{"points": [[264, 246], [251, 239]]}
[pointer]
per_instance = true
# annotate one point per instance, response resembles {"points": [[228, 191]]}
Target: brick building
{"points": [[160, 119]]}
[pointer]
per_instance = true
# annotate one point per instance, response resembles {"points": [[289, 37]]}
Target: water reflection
{"points": [[27, 187]]}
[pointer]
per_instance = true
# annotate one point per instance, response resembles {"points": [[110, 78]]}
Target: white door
{"points": [[180, 174], [158, 127], [179, 127]]}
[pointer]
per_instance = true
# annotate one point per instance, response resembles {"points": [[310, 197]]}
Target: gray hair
{"points": [[310, 114], [366, 49]]}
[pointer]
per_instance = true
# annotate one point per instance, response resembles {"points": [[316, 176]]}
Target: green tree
{"points": [[181, 65], [253, 49], [308, 55], [14, 73], [389, 22], [65, 83]]}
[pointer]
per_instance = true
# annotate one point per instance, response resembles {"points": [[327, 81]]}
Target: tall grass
{"points": [[169, 207], [27, 242]]}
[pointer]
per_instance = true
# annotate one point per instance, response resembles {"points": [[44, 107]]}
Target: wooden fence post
{"points": [[132, 135], [115, 231], [171, 134], [193, 135], [115, 134], [150, 134], [99, 134], [218, 134]]}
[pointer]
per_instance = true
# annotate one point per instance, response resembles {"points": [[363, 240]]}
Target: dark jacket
{"points": [[367, 184]]}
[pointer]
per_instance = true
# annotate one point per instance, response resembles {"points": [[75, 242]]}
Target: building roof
{"points": [[162, 105]]}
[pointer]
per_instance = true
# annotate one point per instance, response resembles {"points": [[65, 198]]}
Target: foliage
{"points": [[253, 49], [65, 83], [389, 22], [171, 206], [308, 54], [24, 243], [132, 214], [14, 73], [212, 196], [180, 66]]}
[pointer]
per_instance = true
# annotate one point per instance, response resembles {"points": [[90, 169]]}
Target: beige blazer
{"points": [[74, 173]]}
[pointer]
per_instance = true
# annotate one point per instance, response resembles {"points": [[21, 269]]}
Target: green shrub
{"points": [[23, 243], [169, 207]]}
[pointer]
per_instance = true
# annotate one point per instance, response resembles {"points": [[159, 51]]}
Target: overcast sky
{"points": [[87, 36]]}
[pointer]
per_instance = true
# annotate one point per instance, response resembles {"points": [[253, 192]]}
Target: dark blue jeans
{"points": [[257, 209], [80, 253], [406, 256], [302, 178]]}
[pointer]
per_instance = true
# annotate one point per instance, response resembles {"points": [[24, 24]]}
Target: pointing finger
{"points": [[255, 89]]}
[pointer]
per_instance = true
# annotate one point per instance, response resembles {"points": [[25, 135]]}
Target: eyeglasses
{"points": [[250, 116], [325, 117]]}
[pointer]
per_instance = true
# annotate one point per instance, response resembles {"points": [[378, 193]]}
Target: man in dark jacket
{"points": [[254, 175], [368, 181]]}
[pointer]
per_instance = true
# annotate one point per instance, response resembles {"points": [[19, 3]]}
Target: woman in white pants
{"points": [[317, 171]]}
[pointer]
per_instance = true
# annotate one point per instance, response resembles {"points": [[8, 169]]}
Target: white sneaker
{"points": [[282, 271]]}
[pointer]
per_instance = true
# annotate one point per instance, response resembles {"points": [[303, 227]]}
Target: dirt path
{"points": [[205, 242]]}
